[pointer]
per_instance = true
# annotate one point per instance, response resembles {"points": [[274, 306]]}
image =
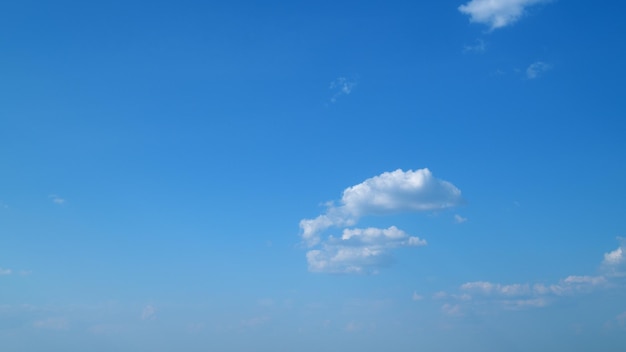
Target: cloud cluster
{"points": [[497, 13], [570, 285], [539, 294], [359, 250], [388, 193]]}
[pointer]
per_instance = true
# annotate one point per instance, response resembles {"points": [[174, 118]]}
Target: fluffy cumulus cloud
{"points": [[400, 191], [616, 258], [387, 193], [360, 250], [497, 13], [614, 263]]}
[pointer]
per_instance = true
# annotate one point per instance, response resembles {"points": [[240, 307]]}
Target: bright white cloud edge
{"points": [[387, 193], [497, 13], [360, 250]]}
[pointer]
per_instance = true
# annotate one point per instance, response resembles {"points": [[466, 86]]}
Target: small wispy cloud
{"points": [[621, 320], [452, 309], [497, 13], [56, 199], [525, 295], [254, 322], [536, 69], [417, 297], [148, 313], [5, 272], [341, 86], [459, 219], [478, 47]]}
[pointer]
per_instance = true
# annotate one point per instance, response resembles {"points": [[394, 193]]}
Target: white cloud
{"points": [[362, 250], [5, 271], [459, 219], [387, 193], [615, 257], [56, 199], [489, 288], [570, 285], [440, 295], [618, 322], [497, 13], [359, 250], [254, 322], [452, 309], [391, 236], [518, 296], [400, 191], [311, 228], [417, 297], [526, 303], [342, 86], [536, 69], [584, 280], [148, 313]]}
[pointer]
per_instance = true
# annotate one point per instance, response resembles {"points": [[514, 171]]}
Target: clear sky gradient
{"points": [[312, 176]]}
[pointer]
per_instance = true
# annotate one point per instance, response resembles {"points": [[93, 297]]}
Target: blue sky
{"points": [[277, 176]]}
